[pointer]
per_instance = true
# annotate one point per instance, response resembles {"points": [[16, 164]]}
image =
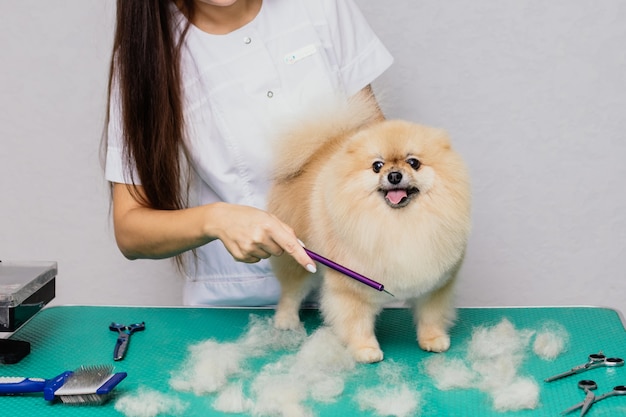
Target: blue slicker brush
{"points": [[86, 385]]}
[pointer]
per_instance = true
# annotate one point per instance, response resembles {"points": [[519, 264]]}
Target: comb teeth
{"points": [[94, 399], [85, 380], [82, 387]]}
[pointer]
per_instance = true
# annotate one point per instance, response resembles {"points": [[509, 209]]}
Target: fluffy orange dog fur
{"points": [[389, 199]]}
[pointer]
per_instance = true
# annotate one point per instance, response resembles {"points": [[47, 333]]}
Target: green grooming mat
{"points": [[66, 337]]}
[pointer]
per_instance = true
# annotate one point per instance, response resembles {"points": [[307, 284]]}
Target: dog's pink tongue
{"points": [[395, 196]]}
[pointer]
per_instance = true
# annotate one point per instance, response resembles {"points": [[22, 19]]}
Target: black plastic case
{"points": [[25, 288]]}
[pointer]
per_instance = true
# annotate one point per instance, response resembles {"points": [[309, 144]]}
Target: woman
{"points": [[197, 89]]}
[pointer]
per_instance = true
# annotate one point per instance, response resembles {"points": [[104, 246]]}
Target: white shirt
{"points": [[237, 89]]}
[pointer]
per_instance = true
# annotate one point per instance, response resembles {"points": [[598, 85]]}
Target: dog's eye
{"points": [[377, 166], [414, 163]]}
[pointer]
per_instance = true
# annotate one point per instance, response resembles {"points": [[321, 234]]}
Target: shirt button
{"points": [[247, 40], [270, 94]]}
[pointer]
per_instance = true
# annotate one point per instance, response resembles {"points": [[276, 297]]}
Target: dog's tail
{"points": [[322, 126]]}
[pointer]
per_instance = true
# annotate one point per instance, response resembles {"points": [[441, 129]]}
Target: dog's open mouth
{"points": [[399, 197]]}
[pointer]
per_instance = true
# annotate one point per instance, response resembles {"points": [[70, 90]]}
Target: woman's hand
{"points": [[250, 234]]}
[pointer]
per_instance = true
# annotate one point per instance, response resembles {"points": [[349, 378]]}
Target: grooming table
{"points": [[66, 337]]}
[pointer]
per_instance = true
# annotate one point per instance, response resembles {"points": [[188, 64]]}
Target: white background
{"points": [[532, 92]]}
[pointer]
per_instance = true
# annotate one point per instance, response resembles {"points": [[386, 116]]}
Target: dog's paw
{"points": [[368, 355], [434, 343], [283, 321]]}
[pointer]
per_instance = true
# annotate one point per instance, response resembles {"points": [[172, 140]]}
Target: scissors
{"points": [[591, 398], [124, 332], [596, 360]]}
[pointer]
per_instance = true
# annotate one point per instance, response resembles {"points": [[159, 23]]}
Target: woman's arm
{"points": [[249, 234]]}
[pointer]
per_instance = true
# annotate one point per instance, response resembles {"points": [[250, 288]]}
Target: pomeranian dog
{"points": [[389, 199]]}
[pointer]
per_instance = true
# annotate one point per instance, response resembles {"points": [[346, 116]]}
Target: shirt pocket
{"points": [[303, 63]]}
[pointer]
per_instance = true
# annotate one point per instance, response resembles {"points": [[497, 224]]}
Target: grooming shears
{"points": [[124, 332], [591, 398], [596, 360]]}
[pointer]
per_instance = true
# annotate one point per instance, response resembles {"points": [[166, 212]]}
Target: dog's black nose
{"points": [[394, 177]]}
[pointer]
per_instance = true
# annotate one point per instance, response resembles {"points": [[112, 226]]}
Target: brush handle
{"points": [[19, 385]]}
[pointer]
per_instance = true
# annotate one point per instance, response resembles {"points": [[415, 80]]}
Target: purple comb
{"points": [[348, 272]]}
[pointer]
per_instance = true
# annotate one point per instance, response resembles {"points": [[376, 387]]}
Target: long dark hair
{"points": [[146, 67]]}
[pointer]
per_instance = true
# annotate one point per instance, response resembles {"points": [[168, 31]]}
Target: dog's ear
{"points": [[435, 137], [439, 137]]}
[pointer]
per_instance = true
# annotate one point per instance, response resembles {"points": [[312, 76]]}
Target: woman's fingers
{"points": [[251, 234], [288, 241]]}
